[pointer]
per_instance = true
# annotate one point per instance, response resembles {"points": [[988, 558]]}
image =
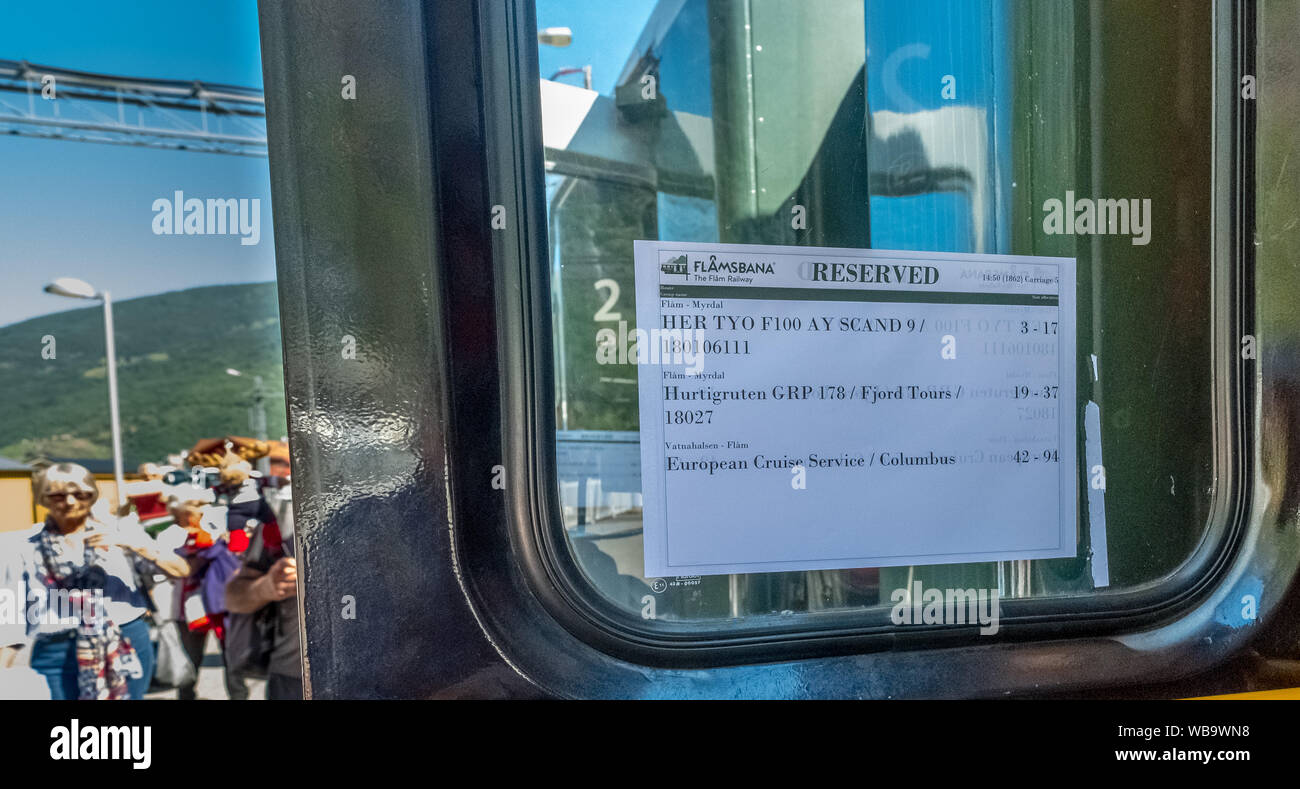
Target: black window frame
{"points": [[515, 160], [382, 222]]}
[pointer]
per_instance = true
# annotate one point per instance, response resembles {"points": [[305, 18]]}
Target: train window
{"points": [[943, 126]]}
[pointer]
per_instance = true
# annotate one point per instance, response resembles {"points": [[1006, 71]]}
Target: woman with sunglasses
{"points": [[75, 580]]}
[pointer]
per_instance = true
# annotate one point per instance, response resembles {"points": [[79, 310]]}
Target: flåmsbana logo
{"points": [[675, 266]]}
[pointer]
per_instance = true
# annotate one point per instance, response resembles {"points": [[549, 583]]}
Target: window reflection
{"points": [[941, 126]]}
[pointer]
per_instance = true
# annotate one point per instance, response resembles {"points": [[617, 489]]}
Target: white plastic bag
{"points": [[172, 667]]}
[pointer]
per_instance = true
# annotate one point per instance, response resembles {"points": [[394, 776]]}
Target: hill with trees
{"points": [[172, 351]]}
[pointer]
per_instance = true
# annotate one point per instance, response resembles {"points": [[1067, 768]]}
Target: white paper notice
{"points": [[808, 408]]}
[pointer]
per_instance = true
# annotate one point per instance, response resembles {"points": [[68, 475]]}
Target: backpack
{"points": [[250, 638]]}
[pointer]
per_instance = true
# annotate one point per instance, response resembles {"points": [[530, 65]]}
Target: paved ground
{"points": [[212, 683]]}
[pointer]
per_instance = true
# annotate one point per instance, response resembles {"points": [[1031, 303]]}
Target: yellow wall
{"points": [[16, 501], [19, 511]]}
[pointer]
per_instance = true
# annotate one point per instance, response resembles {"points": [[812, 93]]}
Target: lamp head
{"points": [[555, 36], [73, 288]]}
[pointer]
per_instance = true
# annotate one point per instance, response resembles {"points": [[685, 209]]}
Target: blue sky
{"points": [[604, 32], [84, 210]]}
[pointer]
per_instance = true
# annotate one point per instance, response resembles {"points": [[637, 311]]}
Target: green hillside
{"points": [[172, 351]]}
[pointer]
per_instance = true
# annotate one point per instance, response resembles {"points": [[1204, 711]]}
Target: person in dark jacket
{"points": [[269, 576]]}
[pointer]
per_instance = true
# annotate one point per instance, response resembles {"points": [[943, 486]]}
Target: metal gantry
{"points": [[81, 106]]}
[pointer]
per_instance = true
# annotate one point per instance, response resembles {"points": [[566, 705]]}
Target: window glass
{"points": [[942, 126]]}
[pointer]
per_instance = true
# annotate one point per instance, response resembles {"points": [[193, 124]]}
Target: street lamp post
{"points": [[78, 289], [257, 417], [563, 37]]}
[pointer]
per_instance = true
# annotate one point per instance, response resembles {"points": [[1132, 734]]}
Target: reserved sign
{"points": [[807, 408]]}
